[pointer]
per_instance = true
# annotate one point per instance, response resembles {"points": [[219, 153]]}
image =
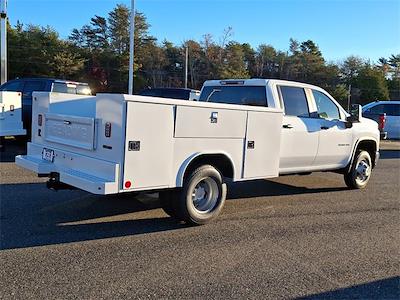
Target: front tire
{"points": [[360, 171]]}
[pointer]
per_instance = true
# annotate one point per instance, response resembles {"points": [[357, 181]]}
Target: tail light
{"points": [[382, 121], [40, 120], [107, 129]]}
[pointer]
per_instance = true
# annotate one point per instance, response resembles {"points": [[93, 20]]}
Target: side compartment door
{"points": [[262, 144], [148, 145]]}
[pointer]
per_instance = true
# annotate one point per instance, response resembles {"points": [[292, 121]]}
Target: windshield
{"points": [[244, 95]]}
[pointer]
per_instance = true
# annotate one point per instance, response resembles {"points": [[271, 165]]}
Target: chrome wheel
{"points": [[205, 195], [363, 171]]}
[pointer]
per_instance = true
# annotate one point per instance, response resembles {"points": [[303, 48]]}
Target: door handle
{"points": [[214, 117], [324, 127], [287, 126]]}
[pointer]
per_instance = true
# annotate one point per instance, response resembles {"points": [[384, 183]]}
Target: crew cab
{"points": [[187, 150], [26, 86]]}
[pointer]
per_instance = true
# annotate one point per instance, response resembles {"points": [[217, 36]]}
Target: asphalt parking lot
{"points": [[291, 237]]}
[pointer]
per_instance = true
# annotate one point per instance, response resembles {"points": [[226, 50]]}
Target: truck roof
{"points": [[256, 82]]}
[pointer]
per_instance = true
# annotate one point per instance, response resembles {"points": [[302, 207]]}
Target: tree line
{"points": [[98, 53]]}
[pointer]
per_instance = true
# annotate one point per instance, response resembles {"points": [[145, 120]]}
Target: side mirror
{"points": [[355, 113]]}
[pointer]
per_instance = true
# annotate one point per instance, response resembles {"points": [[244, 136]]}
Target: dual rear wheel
{"points": [[201, 198]]}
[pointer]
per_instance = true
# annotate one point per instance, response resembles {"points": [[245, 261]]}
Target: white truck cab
{"points": [[239, 129]]}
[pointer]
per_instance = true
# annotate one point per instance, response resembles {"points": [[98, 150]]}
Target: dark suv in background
{"points": [[29, 85], [173, 93]]}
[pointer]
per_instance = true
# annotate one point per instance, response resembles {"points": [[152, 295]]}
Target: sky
{"points": [[367, 28]]}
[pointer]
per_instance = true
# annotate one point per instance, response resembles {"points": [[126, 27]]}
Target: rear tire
{"points": [[360, 171], [203, 196]]}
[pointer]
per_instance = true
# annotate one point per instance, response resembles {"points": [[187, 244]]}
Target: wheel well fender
{"points": [[369, 145], [222, 161]]}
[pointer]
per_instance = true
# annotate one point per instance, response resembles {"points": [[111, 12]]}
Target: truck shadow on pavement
{"points": [[31, 215], [381, 289]]}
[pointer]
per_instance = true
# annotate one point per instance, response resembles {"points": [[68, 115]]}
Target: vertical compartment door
{"points": [[262, 145], [148, 145]]}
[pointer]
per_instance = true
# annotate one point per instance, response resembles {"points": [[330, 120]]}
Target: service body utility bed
{"points": [[117, 143]]}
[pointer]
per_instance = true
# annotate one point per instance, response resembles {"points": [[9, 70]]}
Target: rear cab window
{"points": [[241, 95], [71, 88], [294, 101]]}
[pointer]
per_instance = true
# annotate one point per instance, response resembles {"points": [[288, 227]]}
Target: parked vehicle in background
{"points": [[172, 93], [10, 116], [387, 114], [238, 130], [27, 86]]}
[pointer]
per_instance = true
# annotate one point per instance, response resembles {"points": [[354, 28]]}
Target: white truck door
{"points": [[300, 133], [335, 140]]}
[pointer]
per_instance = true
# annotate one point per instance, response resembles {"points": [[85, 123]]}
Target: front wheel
{"points": [[360, 172]]}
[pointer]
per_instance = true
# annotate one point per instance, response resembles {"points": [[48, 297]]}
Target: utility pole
{"points": [[131, 48], [3, 42], [349, 98], [186, 65]]}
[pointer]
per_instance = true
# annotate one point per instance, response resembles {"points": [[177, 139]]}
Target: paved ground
{"points": [[292, 237]]}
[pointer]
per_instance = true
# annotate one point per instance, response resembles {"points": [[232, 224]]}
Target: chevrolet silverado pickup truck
{"points": [[187, 150]]}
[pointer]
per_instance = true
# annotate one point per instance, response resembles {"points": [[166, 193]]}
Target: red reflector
{"points": [[107, 129], [40, 119], [128, 184], [11, 107]]}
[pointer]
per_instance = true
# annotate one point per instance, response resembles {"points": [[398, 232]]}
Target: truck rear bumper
{"points": [[71, 176]]}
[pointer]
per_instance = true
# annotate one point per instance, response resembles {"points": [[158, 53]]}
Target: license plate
{"points": [[48, 155]]}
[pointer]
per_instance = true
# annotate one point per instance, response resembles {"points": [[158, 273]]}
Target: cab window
{"points": [[295, 101], [325, 106], [243, 95]]}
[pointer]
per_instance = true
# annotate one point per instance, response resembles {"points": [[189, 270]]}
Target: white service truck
{"points": [[10, 115], [187, 150]]}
